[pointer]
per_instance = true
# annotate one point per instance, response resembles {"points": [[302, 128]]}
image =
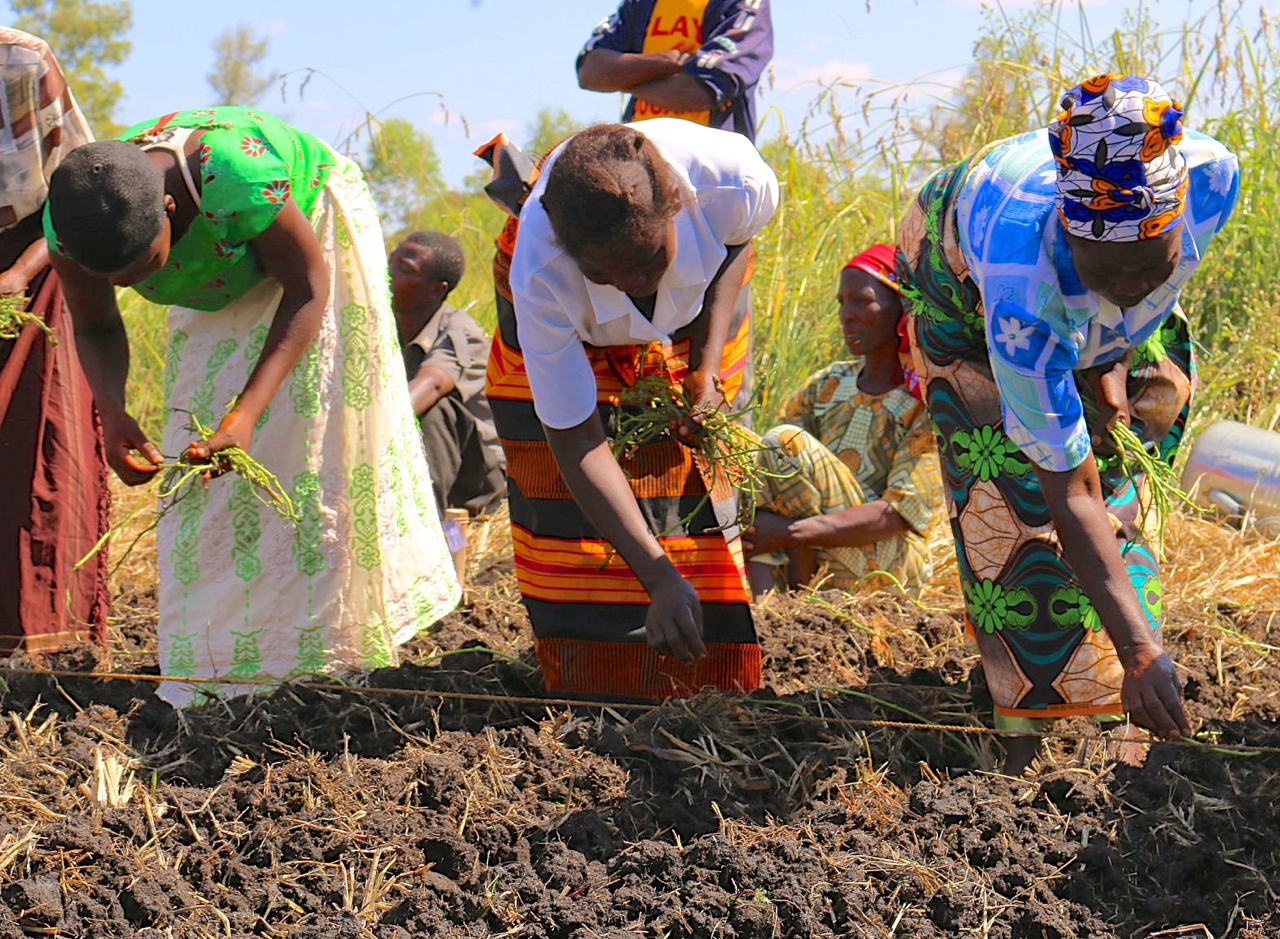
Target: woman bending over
{"points": [[267, 245], [628, 262]]}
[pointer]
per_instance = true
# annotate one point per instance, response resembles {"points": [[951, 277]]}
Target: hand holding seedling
{"points": [[13, 282], [705, 396], [235, 430], [1109, 384]]}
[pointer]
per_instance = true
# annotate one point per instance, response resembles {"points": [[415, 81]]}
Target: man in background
{"points": [[445, 354], [699, 60]]}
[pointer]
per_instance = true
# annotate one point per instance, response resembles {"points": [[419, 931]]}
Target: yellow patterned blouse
{"points": [[886, 440]]}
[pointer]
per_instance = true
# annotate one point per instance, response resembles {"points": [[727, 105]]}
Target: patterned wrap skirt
{"points": [[1044, 650], [586, 607], [245, 593]]}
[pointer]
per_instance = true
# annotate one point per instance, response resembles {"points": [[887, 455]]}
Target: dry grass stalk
{"points": [[112, 783], [1210, 561], [871, 794], [239, 766], [1221, 590], [1192, 932], [488, 542], [32, 737], [135, 578], [373, 891], [15, 847]]}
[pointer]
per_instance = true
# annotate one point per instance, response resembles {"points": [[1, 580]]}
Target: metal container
{"points": [[1235, 468]]}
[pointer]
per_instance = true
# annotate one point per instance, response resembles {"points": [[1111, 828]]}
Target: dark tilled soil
{"points": [[328, 814]]}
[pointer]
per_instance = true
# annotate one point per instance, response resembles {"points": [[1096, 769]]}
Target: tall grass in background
{"points": [[144, 322], [852, 165], [475, 222]]}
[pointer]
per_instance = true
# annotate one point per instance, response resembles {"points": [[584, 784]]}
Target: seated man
{"points": [[445, 352], [855, 482]]}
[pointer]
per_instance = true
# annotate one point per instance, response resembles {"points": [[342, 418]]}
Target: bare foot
{"points": [[1018, 754]]}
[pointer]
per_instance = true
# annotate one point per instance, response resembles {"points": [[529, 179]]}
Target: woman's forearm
{"points": [[33, 260], [851, 528], [24, 243], [609, 70], [604, 495], [1149, 693], [101, 341], [103, 349], [290, 252], [295, 325], [1089, 546]]}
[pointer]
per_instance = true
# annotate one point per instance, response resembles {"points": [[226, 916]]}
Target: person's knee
{"points": [[449, 418], [786, 449], [436, 418]]}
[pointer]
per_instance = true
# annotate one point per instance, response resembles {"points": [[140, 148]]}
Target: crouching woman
{"points": [[852, 484]]}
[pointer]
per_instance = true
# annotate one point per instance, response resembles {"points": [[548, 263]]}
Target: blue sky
{"points": [[495, 62]]}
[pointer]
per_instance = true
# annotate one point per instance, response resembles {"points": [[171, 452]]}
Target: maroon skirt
{"points": [[53, 475]]}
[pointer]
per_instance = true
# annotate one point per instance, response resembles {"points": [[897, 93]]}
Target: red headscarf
{"points": [[878, 262]]}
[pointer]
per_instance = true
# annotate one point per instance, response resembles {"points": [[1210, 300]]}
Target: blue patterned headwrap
{"points": [[1121, 175]]}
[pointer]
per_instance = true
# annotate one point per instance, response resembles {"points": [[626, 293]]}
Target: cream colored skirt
{"points": [[245, 593]]}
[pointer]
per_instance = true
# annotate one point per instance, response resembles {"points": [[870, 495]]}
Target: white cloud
{"points": [[499, 126], [788, 73], [1013, 4]]}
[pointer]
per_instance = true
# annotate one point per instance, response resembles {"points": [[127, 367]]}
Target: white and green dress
{"points": [[244, 593]]}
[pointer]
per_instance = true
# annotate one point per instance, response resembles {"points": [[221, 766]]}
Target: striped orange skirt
{"points": [[584, 602]]}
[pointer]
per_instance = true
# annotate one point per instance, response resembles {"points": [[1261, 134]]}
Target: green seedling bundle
{"points": [[14, 317], [651, 408]]}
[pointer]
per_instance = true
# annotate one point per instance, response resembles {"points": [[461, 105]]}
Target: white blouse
{"points": [[730, 193]]}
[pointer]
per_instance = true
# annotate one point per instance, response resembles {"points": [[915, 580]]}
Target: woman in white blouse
{"points": [[631, 256]]}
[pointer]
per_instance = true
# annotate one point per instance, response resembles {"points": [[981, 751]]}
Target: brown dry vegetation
{"points": [[358, 813]]}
